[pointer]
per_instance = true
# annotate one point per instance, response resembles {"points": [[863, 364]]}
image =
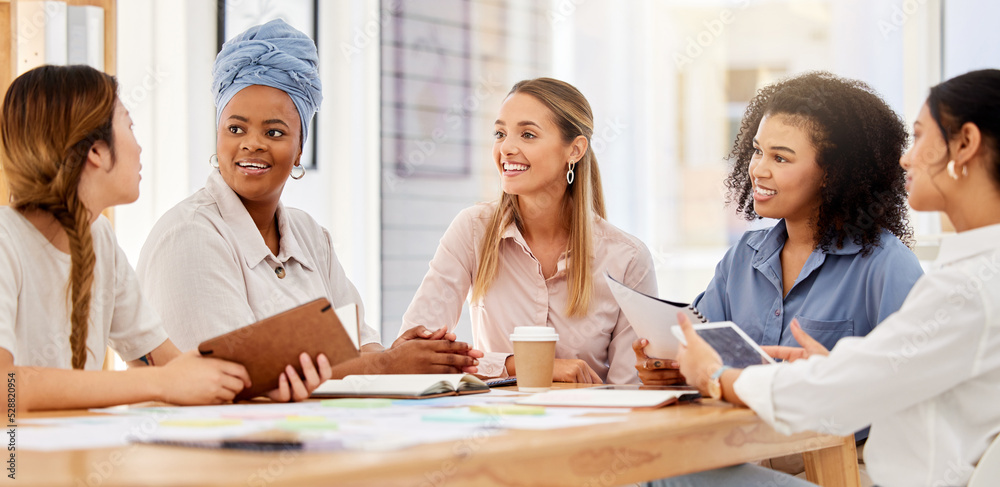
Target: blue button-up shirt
{"points": [[838, 293]]}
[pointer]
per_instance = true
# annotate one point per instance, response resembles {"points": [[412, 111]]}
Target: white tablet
{"points": [[733, 345]]}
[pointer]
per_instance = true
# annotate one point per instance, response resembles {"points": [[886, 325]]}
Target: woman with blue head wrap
{"points": [[275, 55], [232, 254]]}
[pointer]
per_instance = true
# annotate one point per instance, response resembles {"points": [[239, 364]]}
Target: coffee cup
{"points": [[534, 357]]}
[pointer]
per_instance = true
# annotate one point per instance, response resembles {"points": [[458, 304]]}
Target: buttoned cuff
{"points": [[494, 364], [755, 387]]}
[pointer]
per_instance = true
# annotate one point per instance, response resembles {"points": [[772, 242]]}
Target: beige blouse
{"points": [[207, 270], [34, 308], [521, 296]]}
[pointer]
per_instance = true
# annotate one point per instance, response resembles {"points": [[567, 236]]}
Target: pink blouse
{"points": [[521, 296]]}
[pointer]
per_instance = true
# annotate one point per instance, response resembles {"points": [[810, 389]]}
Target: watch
{"points": [[715, 385]]}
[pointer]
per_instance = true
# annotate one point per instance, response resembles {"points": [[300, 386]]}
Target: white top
{"points": [[927, 378], [206, 268], [34, 303]]}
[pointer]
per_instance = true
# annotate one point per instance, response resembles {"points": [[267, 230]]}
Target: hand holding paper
{"points": [[655, 371]]}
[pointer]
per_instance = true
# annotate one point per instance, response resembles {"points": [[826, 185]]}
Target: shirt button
{"points": [[280, 272], [777, 312]]}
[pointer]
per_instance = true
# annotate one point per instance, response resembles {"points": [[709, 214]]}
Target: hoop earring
{"points": [[570, 177], [298, 171], [953, 174], [214, 161]]}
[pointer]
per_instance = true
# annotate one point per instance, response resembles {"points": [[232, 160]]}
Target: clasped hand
{"points": [[421, 351]]}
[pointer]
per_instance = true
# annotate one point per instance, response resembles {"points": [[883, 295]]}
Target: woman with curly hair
{"points": [[928, 378], [820, 154]]}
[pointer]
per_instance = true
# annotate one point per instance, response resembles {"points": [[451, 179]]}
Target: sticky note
{"points": [[357, 403], [456, 416], [305, 418], [201, 423], [508, 409], [253, 416], [307, 423]]}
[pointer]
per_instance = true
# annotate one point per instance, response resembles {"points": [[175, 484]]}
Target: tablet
{"points": [[267, 346], [733, 345]]}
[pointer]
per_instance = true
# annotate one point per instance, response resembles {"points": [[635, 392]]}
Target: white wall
{"points": [[165, 54], [971, 36]]}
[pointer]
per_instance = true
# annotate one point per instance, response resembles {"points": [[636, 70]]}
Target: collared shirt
{"points": [[838, 293], [521, 296], [34, 307], [927, 378], [206, 268]]}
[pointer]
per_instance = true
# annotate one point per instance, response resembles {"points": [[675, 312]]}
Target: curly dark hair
{"points": [[858, 141]]}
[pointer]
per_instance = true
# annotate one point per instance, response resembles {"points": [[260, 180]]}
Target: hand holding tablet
{"points": [[733, 345]]}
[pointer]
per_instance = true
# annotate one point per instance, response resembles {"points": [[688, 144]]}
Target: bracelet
{"points": [[718, 373]]}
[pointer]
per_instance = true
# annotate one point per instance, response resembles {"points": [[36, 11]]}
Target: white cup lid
{"points": [[534, 334]]}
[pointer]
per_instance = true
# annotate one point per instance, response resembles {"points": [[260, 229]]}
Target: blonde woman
{"points": [[537, 256], [67, 291]]}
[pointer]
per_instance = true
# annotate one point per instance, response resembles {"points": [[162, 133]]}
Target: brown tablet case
{"points": [[267, 346]]}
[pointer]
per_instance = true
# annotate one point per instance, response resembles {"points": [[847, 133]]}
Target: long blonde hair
{"points": [[52, 116], [584, 198]]}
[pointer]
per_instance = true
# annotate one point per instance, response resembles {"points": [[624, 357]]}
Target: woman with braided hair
{"points": [[67, 291]]}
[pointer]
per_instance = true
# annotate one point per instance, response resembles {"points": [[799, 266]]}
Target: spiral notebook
{"points": [[652, 317]]}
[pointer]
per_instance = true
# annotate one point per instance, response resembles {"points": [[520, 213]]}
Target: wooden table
{"points": [[650, 445]]}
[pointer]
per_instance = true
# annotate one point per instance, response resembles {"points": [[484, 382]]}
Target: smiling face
{"points": [[785, 175], [529, 150], [258, 143], [925, 163]]}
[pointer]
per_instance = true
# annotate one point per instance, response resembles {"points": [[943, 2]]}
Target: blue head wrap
{"points": [[275, 55]]}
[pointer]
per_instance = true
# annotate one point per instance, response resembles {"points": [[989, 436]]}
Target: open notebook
{"points": [[402, 386]]}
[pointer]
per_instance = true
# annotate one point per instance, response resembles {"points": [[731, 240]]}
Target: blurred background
{"points": [[402, 141]]}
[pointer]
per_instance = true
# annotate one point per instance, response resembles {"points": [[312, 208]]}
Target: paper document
{"points": [[596, 397], [652, 317]]}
